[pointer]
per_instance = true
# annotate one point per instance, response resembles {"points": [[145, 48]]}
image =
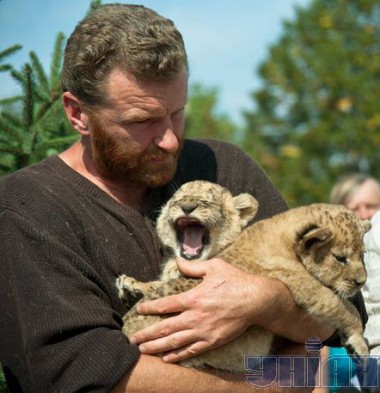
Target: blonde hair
{"points": [[347, 186]]}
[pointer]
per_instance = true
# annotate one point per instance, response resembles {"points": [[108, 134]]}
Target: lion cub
{"points": [[316, 250], [200, 220]]}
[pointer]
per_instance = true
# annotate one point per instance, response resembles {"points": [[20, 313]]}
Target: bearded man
{"points": [[71, 224]]}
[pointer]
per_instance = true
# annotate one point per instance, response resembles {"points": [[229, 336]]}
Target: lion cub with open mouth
{"points": [[316, 251]]}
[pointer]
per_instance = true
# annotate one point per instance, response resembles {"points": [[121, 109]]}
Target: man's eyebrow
{"points": [[141, 115], [133, 116]]}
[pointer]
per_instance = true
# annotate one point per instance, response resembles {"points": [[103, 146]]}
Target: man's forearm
{"points": [[152, 375]]}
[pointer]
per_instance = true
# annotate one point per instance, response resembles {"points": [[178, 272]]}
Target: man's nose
{"points": [[167, 139]]}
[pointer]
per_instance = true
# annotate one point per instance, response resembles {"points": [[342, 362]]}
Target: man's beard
{"points": [[120, 158]]}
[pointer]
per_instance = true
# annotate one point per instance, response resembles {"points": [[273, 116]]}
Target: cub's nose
{"points": [[189, 207], [359, 282]]}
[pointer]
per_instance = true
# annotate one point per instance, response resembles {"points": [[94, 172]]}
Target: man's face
{"points": [[138, 135]]}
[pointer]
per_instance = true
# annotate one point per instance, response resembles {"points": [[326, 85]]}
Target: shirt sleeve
{"points": [[59, 330]]}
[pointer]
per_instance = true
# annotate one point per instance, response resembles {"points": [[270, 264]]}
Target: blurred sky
{"points": [[225, 39]]}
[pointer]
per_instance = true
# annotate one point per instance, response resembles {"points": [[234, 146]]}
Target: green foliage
{"points": [[94, 4], [6, 68], [318, 112], [202, 119], [4, 54], [33, 124], [3, 386]]}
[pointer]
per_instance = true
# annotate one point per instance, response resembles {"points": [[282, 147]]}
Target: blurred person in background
{"points": [[360, 193]]}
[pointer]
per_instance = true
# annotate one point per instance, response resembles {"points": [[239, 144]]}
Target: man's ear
{"points": [[74, 112]]}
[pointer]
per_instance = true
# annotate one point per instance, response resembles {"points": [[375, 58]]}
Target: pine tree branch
{"points": [[5, 168], [47, 111], [9, 51], [4, 138], [94, 4], [5, 67], [12, 119], [9, 150], [57, 142], [39, 71], [8, 129], [41, 95], [29, 96], [10, 100], [56, 65], [18, 77]]}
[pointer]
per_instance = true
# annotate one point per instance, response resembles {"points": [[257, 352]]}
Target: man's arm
{"points": [[57, 329], [219, 309], [152, 375]]}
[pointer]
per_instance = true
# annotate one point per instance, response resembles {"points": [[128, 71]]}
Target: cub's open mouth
{"points": [[193, 236]]}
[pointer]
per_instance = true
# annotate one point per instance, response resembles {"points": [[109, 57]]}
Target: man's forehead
{"points": [[128, 92], [117, 75]]}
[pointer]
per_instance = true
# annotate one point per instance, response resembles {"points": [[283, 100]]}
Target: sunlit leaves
{"points": [[318, 111]]}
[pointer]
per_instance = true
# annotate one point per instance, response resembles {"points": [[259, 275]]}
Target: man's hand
{"points": [[220, 308]]}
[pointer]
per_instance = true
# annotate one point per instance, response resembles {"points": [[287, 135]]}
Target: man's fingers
{"points": [[165, 305], [168, 343], [186, 352], [176, 347], [159, 330], [152, 332]]}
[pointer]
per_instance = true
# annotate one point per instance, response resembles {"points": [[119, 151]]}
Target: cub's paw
{"points": [[130, 290], [356, 346]]}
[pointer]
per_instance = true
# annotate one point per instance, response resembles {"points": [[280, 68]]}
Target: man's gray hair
{"points": [[128, 37]]}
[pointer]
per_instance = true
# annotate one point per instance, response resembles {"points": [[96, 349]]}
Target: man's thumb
{"points": [[195, 269]]}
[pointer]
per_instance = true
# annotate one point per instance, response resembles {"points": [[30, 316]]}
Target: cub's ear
{"points": [[312, 238], [247, 206]]}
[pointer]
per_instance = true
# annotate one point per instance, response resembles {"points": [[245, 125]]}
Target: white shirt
{"points": [[371, 290]]}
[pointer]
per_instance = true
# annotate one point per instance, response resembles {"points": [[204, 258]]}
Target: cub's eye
{"points": [[341, 259]]}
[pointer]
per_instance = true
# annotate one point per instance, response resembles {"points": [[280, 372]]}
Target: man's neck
{"points": [[127, 194]]}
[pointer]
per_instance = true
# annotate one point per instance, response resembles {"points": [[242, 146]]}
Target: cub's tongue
{"points": [[192, 244]]}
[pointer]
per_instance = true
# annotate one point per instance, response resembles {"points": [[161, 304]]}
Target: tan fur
{"points": [[315, 250], [224, 216]]}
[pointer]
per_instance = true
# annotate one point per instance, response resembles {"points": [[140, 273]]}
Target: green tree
{"points": [[5, 156], [202, 118], [317, 113], [8, 67], [34, 126], [3, 386]]}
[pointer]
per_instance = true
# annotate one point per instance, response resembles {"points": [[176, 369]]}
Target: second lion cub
{"points": [[315, 250]]}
